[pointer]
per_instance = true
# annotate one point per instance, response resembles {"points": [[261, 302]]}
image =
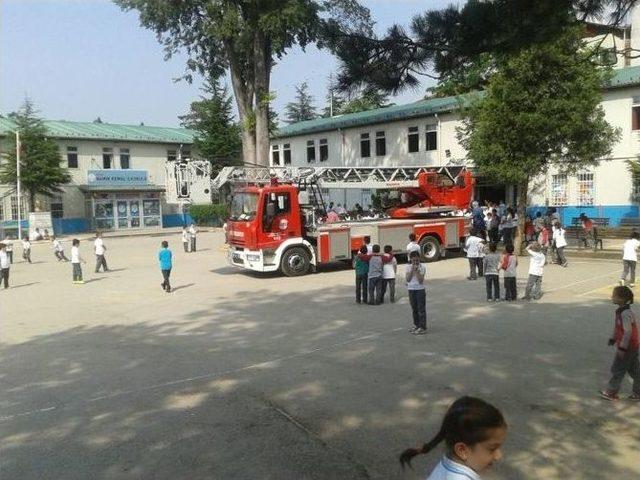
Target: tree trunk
{"points": [[261, 61], [523, 188]]}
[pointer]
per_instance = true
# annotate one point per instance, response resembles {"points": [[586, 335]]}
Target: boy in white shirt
{"points": [[185, 239], [412, 245], [536, 269], [389, 275], [100, 249], [416, 273], [26, 249], [9, 248], [58, 251], [630, 259], [193, 232], [560, 242], [473, 246], [76, 259], [5, 264]]}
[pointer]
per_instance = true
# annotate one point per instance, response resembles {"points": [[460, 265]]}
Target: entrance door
{"points": [[128, 214]]}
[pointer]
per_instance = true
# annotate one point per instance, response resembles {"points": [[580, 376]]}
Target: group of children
{"points": [[189, 237]]}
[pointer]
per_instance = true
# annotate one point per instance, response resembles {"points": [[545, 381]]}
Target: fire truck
{"points": [[278, 216]]}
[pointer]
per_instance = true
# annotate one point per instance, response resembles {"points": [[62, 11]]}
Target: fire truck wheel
{"points": [[430, 249], [295, 262]]}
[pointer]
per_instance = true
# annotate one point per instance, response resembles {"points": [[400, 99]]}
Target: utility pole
{"points": [[19, 192]]}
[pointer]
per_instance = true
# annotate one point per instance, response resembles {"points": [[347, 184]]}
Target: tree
{"points": [[369, 99], [442, 42], [218, 135], [334, 99], [242, 38], [540, 109], [41, 170], [302, 109]]}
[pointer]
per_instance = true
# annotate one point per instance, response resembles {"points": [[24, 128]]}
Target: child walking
{"points": [[58, 251], [165, 260], [630, 259], [76, 260], [473, 431], [185, 239], [509, 265], [389, 270], [536, 269], [9, 248], [26, 249], [5, 265], [361, 267], [473, 247], [416, 273], [491, 265], [625, 338], [100, 249], [560, 241]]}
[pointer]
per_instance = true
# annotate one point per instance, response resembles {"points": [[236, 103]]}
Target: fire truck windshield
{"points": [[243, 206]]}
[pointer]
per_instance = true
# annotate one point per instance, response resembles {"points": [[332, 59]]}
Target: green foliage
{"points": [[303, 108], [470, 76], [41, 170], [541, 107], [212, 215], [368, 99], [218, 138]]}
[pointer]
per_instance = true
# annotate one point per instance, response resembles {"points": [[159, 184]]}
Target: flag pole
{"points": [[18, 185]]}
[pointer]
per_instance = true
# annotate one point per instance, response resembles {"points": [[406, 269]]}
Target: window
{"points": [[57, 209], [431, 137], [124, 158], [311, 151], [413, 140], [14, 208], [324, 150], [185, 153], [559, 190], [586, 188], [107, 157], [286, 152], [171, 155], [365, 145], [635, 114], [275, 155], [72, 157], [1, 209], [381, 144]]}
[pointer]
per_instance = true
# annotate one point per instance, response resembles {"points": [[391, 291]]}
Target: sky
{"points": [[83, 59]]}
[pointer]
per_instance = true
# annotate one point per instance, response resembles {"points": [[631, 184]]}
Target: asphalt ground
{"points": [[238, 375]]}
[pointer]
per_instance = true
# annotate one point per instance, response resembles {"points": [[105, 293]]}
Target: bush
{"points": [[210, 215]]}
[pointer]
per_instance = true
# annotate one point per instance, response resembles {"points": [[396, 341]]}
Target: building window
{"points": [[431, 137], [275, 155], [365, 145], [57, 210], [381, 144], [124, 158], [107, 157], [311, 151], [559, 190], [324, 150], [586, 188], [413, 140], [286, 152], [14, 208], [185, 154], [171, 155], [635, 114], [72, 157]]}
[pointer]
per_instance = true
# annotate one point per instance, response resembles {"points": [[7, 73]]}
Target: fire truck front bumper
{"points": [[249, 259]]}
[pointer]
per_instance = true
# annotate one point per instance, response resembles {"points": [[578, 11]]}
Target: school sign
{"points": [[124, 178]]}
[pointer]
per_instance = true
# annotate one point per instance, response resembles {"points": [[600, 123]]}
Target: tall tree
{"points": [[41, 169], [367, 99], [218, 138], [541, 109], [243, 38], [302, 108], [438, 43], [334, 100]]}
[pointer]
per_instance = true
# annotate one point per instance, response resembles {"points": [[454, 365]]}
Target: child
{"points": [[165, 259], [26, 249], [185, 239], [544, 240], [389, 270], [361, 267], [5, 264], [9, 248], [416, 272], [76, 259], [58, 251], [367, 243], [193, 233], [473, 431], [529, 230], [536, 268], [412, 245], [375, 277], [491, 264], [100, 250], [473, 246], [560, 242], [625, 338], [509, 264], [630, 259]]}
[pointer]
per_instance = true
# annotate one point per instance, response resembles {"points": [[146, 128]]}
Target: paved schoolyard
{"points": [[243, 376]]}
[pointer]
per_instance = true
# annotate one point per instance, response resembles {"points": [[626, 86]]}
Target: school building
{"points": [[424, 133], [117, 177]]}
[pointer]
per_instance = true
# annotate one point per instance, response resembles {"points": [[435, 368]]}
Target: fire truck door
{"points": [[276, 222]]}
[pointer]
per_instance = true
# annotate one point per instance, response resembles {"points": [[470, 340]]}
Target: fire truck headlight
{"points": [[253, 257]]}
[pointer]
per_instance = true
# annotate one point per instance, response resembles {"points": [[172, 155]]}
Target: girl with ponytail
{"points": [[473, 432]]}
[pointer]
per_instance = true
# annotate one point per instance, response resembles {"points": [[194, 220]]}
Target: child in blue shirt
{"points": [[165, 258]]}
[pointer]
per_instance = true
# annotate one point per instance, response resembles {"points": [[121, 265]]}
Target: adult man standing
{"points": [[100, 249]]}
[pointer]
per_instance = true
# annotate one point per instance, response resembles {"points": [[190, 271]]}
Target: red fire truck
{"points": [[276, 214]]}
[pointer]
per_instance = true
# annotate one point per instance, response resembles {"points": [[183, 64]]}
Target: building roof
{"points": [[108, 131], [623, 77]]}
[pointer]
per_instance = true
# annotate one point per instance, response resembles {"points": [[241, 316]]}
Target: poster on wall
{"points": [[40, 225]]}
